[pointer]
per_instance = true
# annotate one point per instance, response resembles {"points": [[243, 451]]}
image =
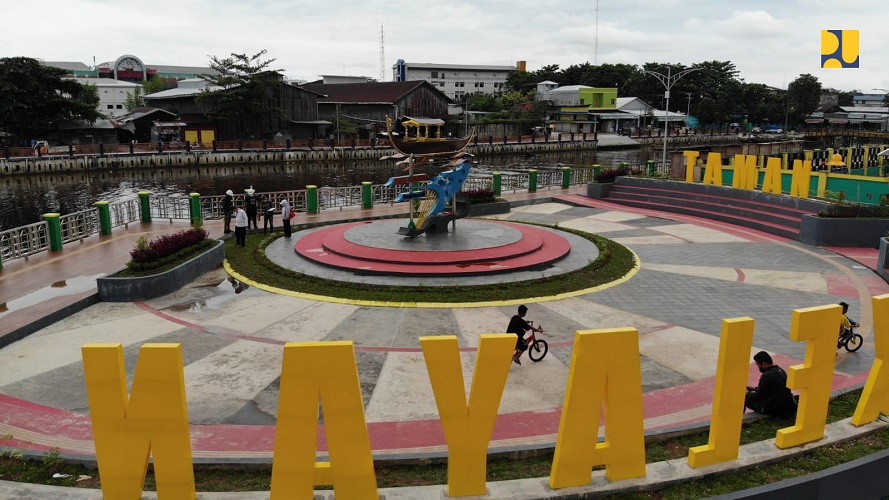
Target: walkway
{"points": [[694, 273]]}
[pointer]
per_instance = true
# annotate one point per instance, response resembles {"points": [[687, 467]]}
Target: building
{"points": [[297, 116], [366, 105], [579, 109], [456, 80], [855, 117], [868, 100], [131, 69], [112, 94]]}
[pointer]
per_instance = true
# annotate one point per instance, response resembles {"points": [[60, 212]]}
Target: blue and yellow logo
{"points": [[839, 48]]}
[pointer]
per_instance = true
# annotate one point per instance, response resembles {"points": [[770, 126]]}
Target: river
{"points": [[25, 198]]}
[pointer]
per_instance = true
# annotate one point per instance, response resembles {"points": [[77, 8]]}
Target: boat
{"points": [[422, 137]]}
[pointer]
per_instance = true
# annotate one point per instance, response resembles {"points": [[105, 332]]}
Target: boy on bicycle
{"points": [[519, 326], [847, 323]]}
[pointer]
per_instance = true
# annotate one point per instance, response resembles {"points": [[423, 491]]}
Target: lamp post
{"points": [[668, 81], [887, 109], [687, 110]]}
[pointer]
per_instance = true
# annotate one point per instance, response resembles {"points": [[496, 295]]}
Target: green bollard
{"points": [[55, 231], [104, 217], [497, 181], [145, 205], [566, 177], [596, 169], [194, 208], [532, 181], [367, 197], [652, 167], [312, 199]]}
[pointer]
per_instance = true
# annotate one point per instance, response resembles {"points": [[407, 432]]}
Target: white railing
{"points": [[79, 225], [124, 212], [23, 241]]}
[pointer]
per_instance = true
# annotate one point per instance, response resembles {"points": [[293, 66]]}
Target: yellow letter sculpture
{"points": [[875, 397], [690, 157], [728, 399], [771, 183], [746, 174], [819, 326], [713, 170], [324, 371], [605, 371], [153, 421], [468, 428], [802, 175]]}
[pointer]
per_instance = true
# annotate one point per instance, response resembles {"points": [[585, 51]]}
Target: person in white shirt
{"points": [[240, 227]]}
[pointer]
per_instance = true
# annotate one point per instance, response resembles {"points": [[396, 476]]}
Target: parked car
{"points": [[756, 130], [774, 131]]}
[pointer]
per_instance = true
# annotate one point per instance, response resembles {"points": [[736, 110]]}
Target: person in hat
{"points": [[286, 212], [228, 203], [250, 205]]}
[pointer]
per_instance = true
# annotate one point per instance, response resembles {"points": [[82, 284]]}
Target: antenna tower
{"points": [[596, 46], [382, 57]]}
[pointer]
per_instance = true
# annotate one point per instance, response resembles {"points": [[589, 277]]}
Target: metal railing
{"points": [[79, 225], [23, 241]]}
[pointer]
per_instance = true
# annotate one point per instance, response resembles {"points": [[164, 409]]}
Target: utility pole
{"points": [[382, 57], [668, 81]]}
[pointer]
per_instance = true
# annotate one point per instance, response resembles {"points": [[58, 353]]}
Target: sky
{"points": [[769, 42]]}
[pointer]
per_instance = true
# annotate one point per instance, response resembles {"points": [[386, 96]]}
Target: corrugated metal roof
{"points": [[364, 93], [458, 66]]}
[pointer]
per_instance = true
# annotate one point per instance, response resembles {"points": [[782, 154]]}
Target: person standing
{"points": [[250, 204], [268, 214], [228, 203], [286, 212], [771, 396], [241, 223]]}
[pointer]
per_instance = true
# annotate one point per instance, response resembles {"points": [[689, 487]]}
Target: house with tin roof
{"points": [[366, 105]]}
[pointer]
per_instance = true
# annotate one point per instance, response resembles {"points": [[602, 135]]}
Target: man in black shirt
{"points": [[519, 326], [771, 396]]}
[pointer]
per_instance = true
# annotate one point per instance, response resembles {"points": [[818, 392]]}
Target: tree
{"points": [[240, 91], [136, 99], [805, 96], [33, 96]]}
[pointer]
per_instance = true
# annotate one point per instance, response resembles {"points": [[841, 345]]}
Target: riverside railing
{"points": [[24, 241]]}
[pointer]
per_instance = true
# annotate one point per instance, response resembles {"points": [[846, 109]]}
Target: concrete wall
{"points": [[842, 232]]}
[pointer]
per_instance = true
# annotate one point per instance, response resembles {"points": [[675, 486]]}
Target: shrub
{"points": [[609, 174], [480, 195], [166, 245], [839, 207]]}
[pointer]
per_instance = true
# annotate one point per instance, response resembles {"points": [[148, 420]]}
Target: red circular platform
{"points": [[528, 247]]}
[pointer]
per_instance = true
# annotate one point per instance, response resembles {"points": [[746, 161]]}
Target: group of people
{"points": [[254, 206]]}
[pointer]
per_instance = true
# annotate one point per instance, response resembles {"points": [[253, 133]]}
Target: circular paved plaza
{"points": [[693, 274]]}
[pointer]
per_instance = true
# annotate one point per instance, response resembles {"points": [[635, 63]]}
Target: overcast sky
{"points": [[770, 42]]}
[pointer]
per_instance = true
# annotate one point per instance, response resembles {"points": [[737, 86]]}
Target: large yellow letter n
{"points": [[814, 378], [605, 371], [468, 428], [153, 421], [326, 372]]}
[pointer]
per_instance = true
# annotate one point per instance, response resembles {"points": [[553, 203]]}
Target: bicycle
{"points": [[537, 348], [849, 339]]}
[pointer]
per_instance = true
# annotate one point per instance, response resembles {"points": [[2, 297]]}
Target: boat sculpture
{"points": [[422, 137]]}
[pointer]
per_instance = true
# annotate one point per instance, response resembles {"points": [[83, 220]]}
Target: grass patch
{"points": [[614, 261], [214, 479]]}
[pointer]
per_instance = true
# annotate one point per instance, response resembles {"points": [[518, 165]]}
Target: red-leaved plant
{"points": [[166, 245]]}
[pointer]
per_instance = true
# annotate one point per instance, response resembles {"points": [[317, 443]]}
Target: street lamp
{"points": [[668, 80], [887, 110]]}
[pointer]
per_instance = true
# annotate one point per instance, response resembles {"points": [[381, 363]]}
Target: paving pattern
{"points": [[693, 274]]}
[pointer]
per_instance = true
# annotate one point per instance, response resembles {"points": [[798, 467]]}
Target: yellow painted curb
{"points": [[436, 305]]}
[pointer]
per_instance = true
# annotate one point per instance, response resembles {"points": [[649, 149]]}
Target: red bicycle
{"points": [[537, 348]]}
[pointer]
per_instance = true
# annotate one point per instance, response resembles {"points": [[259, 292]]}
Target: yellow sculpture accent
{"points": [[875, 396], [152, 421], [713, 170], [819, 326], [771, 183], [605, 371], [468, 427], [313, 372], [690, 157], [801, 180], [728, 399]]}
